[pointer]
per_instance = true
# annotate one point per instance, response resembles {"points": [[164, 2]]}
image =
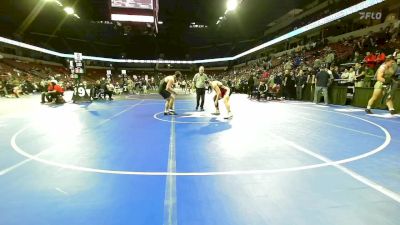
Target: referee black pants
{"points": [[200, 94]]}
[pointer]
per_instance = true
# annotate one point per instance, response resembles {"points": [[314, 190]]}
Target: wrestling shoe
{"points": [[172, 113], [229, 116]]}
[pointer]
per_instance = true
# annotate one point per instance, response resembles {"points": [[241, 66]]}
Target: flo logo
{"points": [[370, 15]]}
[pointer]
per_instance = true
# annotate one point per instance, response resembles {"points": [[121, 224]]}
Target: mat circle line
{"points": [[380, 148]]}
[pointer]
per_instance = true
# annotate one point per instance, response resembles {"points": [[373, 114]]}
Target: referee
{"points": [[199, 82]]}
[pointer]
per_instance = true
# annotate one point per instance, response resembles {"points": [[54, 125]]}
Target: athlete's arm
{"points": [[217, 92], [170, 85], [379, 75]]}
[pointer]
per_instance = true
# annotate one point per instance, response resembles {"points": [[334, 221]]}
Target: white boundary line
{"points": [[362, 179], [7, 170], [346, 128], [61, 191], [222, 173], [306, 104], [117, 114], [342, 127], [185, 122], [170, 202], [16, 166]]}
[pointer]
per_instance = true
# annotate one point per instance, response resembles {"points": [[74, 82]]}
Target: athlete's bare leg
{"points": [[375, 95]]}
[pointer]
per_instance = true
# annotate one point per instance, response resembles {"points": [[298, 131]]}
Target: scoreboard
{"points": [[137, 11], [134, 4]]}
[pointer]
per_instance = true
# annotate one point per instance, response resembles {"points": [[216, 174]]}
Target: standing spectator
{"points": [[199, 81], [322, 80], [370, 61], [330, 58], [297, 60], [311, 80], [290, 85], [300, 81], [284, 88], [250, 85], [109, 90], [317, 63], [380, 57], [130, 85], [359, 75]]}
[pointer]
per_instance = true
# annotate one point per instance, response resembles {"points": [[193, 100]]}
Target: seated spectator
{"points": [[44, 93], [16, 88], [345, 75], [335, 72], [288, 65], [118, 89], [297, 61], [352, 75], [54, 93], [274, 84], [262, 90], [97, 91]]}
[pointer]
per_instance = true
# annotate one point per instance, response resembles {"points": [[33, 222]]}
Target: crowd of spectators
{"points": [[351, 61], [24, 78]]}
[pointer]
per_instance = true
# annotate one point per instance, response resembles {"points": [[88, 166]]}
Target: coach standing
{"points": [[322, 80], [199, 82]]}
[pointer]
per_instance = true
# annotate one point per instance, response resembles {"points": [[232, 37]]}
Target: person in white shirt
{"points": [[199, 82], [352, 75]]}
